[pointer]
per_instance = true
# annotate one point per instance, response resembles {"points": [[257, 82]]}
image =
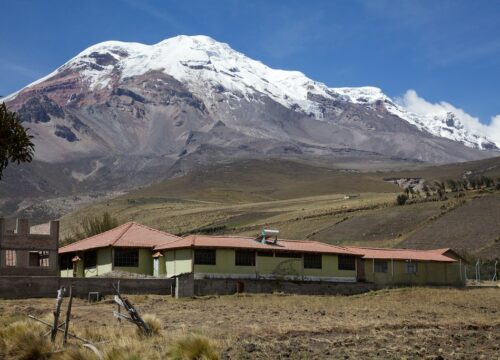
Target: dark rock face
{"points": [[103, 59], [38, 109], [65, 133]]}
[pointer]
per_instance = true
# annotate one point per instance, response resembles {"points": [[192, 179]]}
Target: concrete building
{"points": [[409, 267], [127, 248], [26, 254], [258, 258], [138, 249]]}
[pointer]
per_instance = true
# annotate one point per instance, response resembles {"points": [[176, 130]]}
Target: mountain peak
{"points": [[209, 68]]}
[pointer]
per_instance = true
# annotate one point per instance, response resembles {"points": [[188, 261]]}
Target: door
{"points": [[360, 266], [156, 267]]}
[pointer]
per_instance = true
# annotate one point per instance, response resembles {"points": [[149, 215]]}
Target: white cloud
{"points": [[414, 103]]}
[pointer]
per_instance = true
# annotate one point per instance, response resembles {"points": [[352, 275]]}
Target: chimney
{"points": [[54, 229]]}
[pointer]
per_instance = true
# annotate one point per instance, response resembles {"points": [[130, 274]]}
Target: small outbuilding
{"points": [[384, 266]]}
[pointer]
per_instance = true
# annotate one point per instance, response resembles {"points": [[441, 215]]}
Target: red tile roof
{"points": [[401, 254], [250, 243], [130, 234]]}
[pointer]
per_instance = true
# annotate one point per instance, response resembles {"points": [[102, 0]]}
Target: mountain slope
{"points": [[122, 115], [118, 97]]}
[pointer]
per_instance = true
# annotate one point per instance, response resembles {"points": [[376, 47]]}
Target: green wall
{"points": [[428, 273], [179, 261], [105, 261], [145, 263]]}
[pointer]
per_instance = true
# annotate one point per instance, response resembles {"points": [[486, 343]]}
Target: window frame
{"points": [[86, 256], [43, 259], [205, 257], [245, 258], [381, 266], [122, 259], [66, 261], [344, 262], [311, 261], [10, 254], [411, 264]]}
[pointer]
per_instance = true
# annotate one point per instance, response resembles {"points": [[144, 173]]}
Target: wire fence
{"points": [[482, 270]]}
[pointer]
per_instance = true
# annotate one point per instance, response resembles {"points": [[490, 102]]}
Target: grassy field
{"points": [[407, 323], [308, 202]]}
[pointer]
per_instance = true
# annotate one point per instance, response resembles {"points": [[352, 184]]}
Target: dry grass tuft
{"points": [[24, 340], [154, 324], [76, 354], [192, 347]]}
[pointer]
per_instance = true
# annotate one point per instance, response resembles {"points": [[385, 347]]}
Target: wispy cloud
{"points": [[162, 15], [418, 105], [8, 66]]}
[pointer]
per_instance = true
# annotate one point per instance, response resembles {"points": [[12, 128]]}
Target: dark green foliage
{"points": [[91, 226], [488, 182], [452, 185], [401, 199], [15, 143]]}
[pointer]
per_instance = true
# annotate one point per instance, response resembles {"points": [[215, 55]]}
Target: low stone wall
{"points": [[82, 286], [16, 287], [250, 286]]}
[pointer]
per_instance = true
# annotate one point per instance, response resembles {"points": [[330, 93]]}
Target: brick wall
{"points": [[19, 243]]}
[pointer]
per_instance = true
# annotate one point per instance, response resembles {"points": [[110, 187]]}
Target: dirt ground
{"points": [[410, 323]]}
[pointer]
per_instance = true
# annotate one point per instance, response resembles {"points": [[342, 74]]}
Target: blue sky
{"points": [[444, 50]]}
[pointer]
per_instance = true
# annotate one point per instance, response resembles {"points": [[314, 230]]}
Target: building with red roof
{"points": [[385, 266], [137, 248], [128, 247]]}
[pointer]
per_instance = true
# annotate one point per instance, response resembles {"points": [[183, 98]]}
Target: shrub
{"points": [[401, 199], [192, 347]]}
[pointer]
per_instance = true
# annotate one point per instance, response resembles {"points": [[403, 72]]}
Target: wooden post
{"points": [[117, 304], [57, 311], [68, 315]]}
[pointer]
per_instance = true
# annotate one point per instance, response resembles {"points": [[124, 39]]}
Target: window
{"points": [[411, 267], [38, 258], [381, 266], [204, 257], [265, 253], [347, 262], [126, 257], [244, 258], [90, 259], [290, 255], [312, 261], [66, 262], [10, 258]]}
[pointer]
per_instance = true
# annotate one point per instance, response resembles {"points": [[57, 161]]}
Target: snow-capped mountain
{"points": [[208, 68], [193, 95]]}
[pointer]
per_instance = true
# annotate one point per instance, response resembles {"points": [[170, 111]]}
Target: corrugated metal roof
{"points": [[252, 243], [130, 234], [401, 254]]}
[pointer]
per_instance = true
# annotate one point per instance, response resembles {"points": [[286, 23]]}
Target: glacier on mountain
{"points": [[202, 63]]}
